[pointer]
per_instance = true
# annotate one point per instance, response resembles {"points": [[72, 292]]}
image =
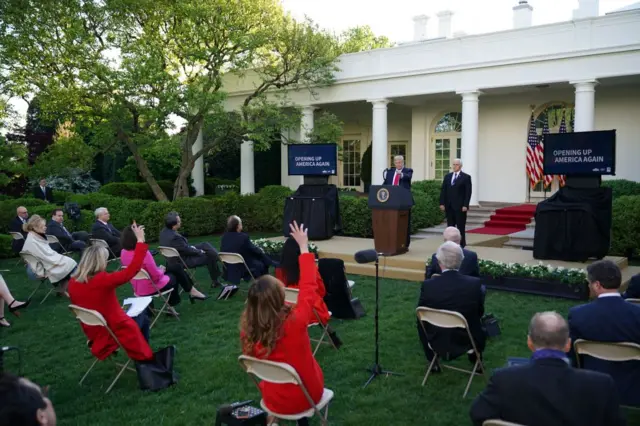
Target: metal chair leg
{"points": [[88, 371], [118, 376], [47, 296]]}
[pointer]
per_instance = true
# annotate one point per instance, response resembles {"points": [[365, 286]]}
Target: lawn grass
{"points": [[55, 354]]}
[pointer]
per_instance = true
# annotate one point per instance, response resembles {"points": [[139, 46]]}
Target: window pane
{"points": [[351, 163]]}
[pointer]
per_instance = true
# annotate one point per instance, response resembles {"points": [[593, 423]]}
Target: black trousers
{"points": [[457, 218], [209, 258]]}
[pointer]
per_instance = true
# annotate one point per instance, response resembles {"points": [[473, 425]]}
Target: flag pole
{"points": [[533, 108]]}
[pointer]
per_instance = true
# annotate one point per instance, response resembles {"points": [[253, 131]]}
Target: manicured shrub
{"points": [[8, 210], [211, 185], [356, 217], [625, 229], [5, 248], [622, 187]]}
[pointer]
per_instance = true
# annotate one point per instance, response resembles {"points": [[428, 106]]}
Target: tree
{"points": [[358, 39]]}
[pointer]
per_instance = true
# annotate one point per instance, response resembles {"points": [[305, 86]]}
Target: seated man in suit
{"points": [[43, 192], [452, 291], [194, 256], [609, 318], [236, 241], [68, 241], [548, 391], [469, 264], [103, 230], [16, 226]]}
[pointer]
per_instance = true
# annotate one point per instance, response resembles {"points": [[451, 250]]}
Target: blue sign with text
{"points": [[581, 153], [313, 159]]}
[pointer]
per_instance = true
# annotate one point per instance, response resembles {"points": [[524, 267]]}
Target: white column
{"points": [[247, 180], [379, 160], [585, 108], [306, 124], [470, 161], [197, 174]]}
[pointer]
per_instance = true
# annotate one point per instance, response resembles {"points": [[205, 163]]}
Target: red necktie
{"points": [[396, 179]]}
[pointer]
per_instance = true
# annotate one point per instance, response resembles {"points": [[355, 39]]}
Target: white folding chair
{"points": [[104, 244], [170, 253], [281, 373], [32, 263], [496, 422], [449, 319], [94, 318], [351, 284], [164, 295], [18, 237], [52, 239], [634, 301], [291, 297], [234, 259]]}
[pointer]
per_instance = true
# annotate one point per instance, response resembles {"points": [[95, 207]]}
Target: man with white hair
{"points": [[469, 263], [548, 391], [455, 196], [102, 229], [399, 175], [452, 291]]}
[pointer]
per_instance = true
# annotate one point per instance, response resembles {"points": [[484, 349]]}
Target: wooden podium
{"points": [[390, 207]]}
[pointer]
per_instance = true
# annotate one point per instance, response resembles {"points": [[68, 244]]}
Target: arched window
{"points": [[553, 113], [451, 122]]}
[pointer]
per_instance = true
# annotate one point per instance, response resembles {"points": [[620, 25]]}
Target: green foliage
{"points": [[211, 185], [67, 156], [621, 187], [359, 39], [8, 210], [73, 180], [162, 157], [365, 167], [356, 217], [131, 190], [625, 229], [327, 128], [5, 247], [13, 161]]}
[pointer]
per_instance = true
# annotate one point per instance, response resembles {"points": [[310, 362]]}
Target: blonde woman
{"points": [[55, 266]]}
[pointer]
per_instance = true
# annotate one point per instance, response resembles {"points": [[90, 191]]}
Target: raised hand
{"points": [[138, 231], [299, 233]]}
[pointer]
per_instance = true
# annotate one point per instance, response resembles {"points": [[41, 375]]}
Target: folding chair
{"points": [[291, 297], [171, 253], [104, 244], [18, 237], [495, 422], [634, 301], [144, 275], [234, 259], [29, 260], [94, 318], [52, 239], [449, 319], [281, 373]]}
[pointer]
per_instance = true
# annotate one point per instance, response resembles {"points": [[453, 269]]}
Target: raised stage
{"points": [[411, 265]]}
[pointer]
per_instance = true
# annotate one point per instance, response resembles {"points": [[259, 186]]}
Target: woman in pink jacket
{"points": [[164, 280]]}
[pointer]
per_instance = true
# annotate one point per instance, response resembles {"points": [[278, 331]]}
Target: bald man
{"points": [[469, 263], [548, 391], [16, 226]]}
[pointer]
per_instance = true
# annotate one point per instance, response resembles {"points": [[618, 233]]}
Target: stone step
{"points": [[522, 239]]}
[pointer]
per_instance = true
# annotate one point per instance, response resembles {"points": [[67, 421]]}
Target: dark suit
{"points": [[454, 198], [633, 290], [47, 195], [108, 233], [256, 260], [454, 292], [548, 392], [610, 319], [70, 242], [16, 226], [469, 265], [193, 256], [405, 182]]}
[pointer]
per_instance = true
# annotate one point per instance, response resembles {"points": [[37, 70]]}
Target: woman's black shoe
{"points": [[335, 339], [193, 299], [14, 309]]}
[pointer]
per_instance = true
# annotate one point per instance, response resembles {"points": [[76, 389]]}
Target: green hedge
{"points": [[8, 210], [622, 187], [5, 248], [142, 191], [625, 229]]}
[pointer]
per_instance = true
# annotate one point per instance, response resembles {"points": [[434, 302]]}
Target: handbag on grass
{"points": [[158, 374], [491, 325]]}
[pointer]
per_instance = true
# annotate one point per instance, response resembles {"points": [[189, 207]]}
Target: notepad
{"points": [[138, 304]]}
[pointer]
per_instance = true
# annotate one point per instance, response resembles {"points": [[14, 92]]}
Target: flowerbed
{"points": [[273, 248]]}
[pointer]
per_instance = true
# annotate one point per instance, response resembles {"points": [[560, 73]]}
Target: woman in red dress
{"points": [[91, 287], [275, 331], [289, 273]]}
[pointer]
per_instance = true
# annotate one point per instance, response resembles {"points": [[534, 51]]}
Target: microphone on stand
{"points": [[367, 256]]}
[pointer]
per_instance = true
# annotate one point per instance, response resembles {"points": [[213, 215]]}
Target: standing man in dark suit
{"points": [[198, 255], [455, 196], [400, 176], [16, 226], [609, 318], [469, 265], [236, 241], [43, 192], [70, 242], [452, 291], [548, 392], [102, 229]]}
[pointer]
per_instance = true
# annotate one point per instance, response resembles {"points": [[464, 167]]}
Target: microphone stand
{"points": [[376, 370]]}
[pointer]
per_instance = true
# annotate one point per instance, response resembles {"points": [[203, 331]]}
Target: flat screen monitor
{"points": [[313, 159], [580, 153]]}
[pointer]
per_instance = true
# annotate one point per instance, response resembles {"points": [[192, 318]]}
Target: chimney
{"points": [[587, 9], [522, 14], [420, 27], [444, 23]]}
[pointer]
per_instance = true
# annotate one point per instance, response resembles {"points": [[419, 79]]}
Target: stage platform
{"points": [[411, 265]]}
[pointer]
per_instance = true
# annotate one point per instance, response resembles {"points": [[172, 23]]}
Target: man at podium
{"points": [[400, 176]]}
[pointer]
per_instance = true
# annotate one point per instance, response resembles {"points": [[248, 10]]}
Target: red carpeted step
{"points": [[508, 220]]}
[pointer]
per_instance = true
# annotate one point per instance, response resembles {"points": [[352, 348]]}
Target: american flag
{"points": [[547, 179], [534, 161], [563, 129]]}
